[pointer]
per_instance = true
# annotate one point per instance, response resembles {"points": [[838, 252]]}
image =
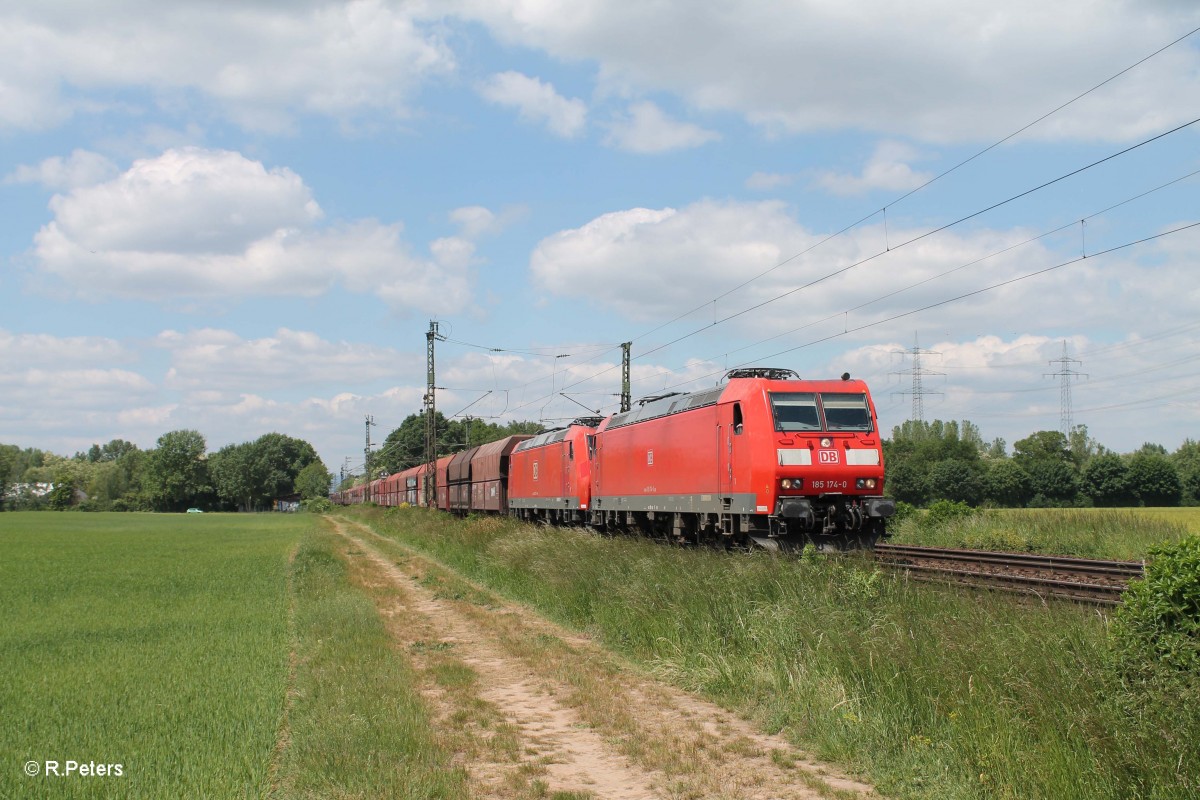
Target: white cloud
{"points": [[940, 70], [646, 129], [886, 169], [262, 62], [40, 404], [1129, 391], [188, 200], [216, 363], [81, 168], [656, 264], [475, 222], [453, 252], [209, 223], [18, 351], [536, 102], [765, 181]]}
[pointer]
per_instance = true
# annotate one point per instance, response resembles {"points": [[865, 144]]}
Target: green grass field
{"points": [[1119, 534], [170, 644]]}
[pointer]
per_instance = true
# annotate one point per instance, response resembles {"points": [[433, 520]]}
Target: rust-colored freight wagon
{"points": [[489, 474], [458, 478], [442, 470]]}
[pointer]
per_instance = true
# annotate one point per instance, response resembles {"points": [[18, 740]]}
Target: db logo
{"points": [[827, 457]]}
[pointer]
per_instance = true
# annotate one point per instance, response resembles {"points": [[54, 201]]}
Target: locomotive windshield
{"points": [[798, 411], [795, 411], [846, 412]]}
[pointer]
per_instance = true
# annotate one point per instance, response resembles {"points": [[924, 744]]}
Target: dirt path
{"points": [[534, 711]]}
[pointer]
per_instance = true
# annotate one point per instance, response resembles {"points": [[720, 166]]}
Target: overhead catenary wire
{"points": [[912, 240], [971, 263], [939, 176], [532, 351], [925, 235], [963, 296]]}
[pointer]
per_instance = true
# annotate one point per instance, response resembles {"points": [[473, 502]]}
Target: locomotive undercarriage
{"points": [[833, 523], [551, 516]]}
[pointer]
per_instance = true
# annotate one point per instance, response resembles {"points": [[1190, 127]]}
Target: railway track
{"points": [[1063, 577]]}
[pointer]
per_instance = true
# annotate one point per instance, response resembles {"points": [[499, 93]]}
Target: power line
{"points": [[910, 241], [957, 298], [535, 351], [975, 262], [925, 235], [927, 183]]}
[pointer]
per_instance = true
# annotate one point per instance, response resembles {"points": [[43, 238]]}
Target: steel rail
{"points": [[1086, 566], [1054, 576]]}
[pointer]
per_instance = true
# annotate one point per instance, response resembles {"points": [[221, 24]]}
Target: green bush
{"points": [[1157, 626], [903, 511], [944, 511], [1156, 667], [317, 505]]}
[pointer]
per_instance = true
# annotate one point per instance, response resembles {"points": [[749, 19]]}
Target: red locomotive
{"points": [[550, 474], [764, 458]]}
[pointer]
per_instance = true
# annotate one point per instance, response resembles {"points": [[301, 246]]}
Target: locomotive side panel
{"points": [[668, 464], [551, 473]]}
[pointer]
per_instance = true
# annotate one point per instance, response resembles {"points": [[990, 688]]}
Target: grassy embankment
{"points": [[931, 692], [194, 653], [1115, 534]]}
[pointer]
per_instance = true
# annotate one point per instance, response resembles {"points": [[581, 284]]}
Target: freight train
{"points": [[765, 459]]}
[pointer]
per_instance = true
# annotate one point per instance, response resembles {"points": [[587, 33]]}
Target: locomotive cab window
{"points": [[795, 411], [846, 412], [737, 419]]}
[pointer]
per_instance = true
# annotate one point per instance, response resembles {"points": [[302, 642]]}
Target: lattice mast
{"points": [[431, 337], [367, 456], [626, 387], [918, 373], [1065, 374]]}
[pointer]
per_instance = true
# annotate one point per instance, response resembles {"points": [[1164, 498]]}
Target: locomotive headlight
{"points": [[792, 483], [826, 442], [865, 483]]}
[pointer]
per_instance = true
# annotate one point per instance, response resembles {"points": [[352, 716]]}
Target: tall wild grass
{"points": [[930, 692]]}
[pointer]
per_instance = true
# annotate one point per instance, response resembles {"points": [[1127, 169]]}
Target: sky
{"points": [[242, 218]]}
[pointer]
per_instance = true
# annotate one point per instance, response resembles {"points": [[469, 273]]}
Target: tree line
{"points": [[178, 473], [939, 460], [925, 462]]}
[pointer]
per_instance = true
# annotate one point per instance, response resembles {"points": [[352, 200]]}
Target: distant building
{"points": [[288, 503]]}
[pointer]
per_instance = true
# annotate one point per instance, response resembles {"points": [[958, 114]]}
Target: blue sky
{"points": [[240, 219]]}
